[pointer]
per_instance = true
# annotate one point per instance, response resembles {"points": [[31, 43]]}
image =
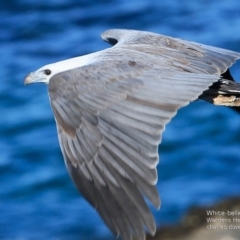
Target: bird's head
{"points": [[42, 75], [45, 73]]}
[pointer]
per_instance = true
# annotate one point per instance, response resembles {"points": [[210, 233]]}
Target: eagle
{"points": [[111, 108]]}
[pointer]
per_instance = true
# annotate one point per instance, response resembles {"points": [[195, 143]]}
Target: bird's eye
{"points": [[47, 72]]}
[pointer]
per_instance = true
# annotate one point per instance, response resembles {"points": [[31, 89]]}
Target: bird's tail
{"points": [[225, 92]]}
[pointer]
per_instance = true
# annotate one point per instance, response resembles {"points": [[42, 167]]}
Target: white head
{"points": [[45, 73], [41, 75]]}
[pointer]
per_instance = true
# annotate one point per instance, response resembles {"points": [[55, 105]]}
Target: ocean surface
{"points": [[200, 152]]}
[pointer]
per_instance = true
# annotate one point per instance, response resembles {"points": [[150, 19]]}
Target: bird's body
{"points": [[112, 106]]}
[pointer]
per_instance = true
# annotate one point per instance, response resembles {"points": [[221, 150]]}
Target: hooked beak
{"points": [[29, 78], [35, 77]]}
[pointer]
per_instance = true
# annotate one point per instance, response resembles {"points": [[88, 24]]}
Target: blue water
{"points": [[200, 153]]}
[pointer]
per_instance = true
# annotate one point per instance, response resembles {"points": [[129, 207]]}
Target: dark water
{"points": [[200, 153]]}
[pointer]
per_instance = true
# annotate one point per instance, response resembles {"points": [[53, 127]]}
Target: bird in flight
{"points": [[111, 108]]}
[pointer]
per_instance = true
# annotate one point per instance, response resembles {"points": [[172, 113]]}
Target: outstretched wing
{"points": [[184, 55], [110, 116]]}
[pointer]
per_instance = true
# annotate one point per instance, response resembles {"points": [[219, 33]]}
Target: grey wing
{"points": [[185, 56], [110, 117]]}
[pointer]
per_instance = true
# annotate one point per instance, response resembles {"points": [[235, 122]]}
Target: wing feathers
{"points": [[148, 190], [136, 197], [130, 149], [150, 175], [127, 138], [105, 170]]}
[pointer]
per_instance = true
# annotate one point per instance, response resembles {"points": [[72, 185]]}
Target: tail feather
{"points": [[225, 92]]}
